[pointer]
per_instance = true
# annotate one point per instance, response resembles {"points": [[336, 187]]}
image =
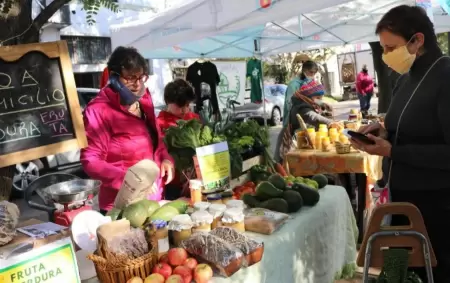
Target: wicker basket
{"points": [[342, 148], [120, 271], [140, 267]]}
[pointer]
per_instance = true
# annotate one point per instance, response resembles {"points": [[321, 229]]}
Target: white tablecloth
{"points": [[314, 246]]}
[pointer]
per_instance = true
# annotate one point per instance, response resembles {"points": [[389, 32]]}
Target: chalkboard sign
{"points": [[40, 113]]}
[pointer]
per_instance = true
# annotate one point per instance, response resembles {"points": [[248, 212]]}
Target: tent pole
{"points": [[324, 29], [257, 43], [343, 22]]}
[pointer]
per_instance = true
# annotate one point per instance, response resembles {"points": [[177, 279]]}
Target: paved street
{"points": [[341, 112]]}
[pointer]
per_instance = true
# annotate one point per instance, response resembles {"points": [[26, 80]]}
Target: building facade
{"points": [[90, 45]]}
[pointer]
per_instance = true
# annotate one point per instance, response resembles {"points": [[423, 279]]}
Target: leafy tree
{"points": [[443, 39], [18, 26]]}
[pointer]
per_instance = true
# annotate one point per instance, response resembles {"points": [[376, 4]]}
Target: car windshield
{"points": [[281, 89], [275, 90]]}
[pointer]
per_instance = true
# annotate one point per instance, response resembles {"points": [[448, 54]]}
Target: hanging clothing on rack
{"points": [[204, 72], [254, 71]]}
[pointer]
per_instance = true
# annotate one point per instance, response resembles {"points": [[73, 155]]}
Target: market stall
{"points": [[328, 151], [331, 221], [269, 226], [310, 162]]}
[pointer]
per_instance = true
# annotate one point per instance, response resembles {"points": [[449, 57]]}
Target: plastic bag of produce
{"points": [[223, 256], [9, 218], [251, 248], [264, 221], [137, 184]]}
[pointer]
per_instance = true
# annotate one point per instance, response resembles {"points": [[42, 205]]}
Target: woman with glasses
{"points": [[121, 128]]}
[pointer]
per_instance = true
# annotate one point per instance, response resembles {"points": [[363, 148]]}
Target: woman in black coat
{"points": [[415, 139]]}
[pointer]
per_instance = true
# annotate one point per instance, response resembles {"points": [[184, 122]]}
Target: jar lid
{"points": [[181, 222], [233, 215], [195, 184], [214, 197], [203, 205], [201, 217], [217, 209], [227, 194], [236, 203], [159, 224]]}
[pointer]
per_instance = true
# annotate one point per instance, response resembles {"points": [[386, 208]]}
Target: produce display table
{"points": [[314, 246], [309, 162]]}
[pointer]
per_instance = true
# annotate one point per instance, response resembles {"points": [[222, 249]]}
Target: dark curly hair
{"points": [[179, 92], [127, 58], [308, 66], [406, 21]]}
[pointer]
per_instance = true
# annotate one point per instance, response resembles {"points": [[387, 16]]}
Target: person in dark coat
{"points": [[415, 138]]}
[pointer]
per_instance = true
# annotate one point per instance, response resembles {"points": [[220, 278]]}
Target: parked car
{"points": [[274, 98]]}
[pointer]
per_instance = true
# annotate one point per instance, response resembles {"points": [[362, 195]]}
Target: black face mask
{"points": [[365, 71]]}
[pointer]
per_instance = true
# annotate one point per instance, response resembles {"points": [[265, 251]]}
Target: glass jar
{"points": [[181, 228], [343, 139], [202, 221], [312, 135], [214, 198], [302, 142], [333, 134], [196, 187], [318, 141], [162, 236], [236, 203], [323, 130], [234, 218], [216, 210], [203, 205], [227, 196], [326, 144]]}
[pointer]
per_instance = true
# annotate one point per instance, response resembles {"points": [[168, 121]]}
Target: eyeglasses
{"points": [[133, 79]]}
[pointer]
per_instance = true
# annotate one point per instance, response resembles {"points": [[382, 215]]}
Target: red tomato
{"points": [[250, 184]]}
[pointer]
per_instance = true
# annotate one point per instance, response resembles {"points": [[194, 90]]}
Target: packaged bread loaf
{"points": [[263, 221], [252, 249], [226, 258], [137, 184]]}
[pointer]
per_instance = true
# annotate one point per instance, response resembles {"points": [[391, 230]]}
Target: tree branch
{"points": [[48, 12]]}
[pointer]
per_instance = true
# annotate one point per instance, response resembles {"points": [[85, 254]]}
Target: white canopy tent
{"points": [[192, 31], [213, 28]]}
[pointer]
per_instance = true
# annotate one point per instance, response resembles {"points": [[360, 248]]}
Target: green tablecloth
{"points": [[317, 245]]}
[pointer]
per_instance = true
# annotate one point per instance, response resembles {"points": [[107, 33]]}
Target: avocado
{"points": [[267, 189], [277, 181], [250, 200], [293, 199], [310, 196], [276, 204], [321, 180]]}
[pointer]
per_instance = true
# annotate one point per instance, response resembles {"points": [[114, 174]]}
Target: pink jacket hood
{"points": [[117, 140]]}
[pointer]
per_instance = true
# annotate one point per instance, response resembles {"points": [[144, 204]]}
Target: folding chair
{"points": [[413, 236]]}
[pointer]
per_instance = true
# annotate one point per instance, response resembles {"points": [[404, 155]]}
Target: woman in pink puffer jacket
{"points": [[121, 128]]}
